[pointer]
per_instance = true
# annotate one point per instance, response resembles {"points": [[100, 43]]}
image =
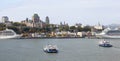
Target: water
{"points": [[69, 50]]}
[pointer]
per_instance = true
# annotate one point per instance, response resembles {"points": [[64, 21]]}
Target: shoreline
{"points": [[50, 37]]}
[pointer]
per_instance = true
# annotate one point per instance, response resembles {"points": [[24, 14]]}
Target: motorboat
{"points": [[51, 49], [104, 43], [8, 34]]}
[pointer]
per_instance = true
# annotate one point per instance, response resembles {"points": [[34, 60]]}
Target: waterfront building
{"points": [[66, 34], [80, 34], [98, 27]]}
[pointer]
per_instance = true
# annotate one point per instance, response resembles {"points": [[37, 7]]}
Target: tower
{"points": [[35, 18], [5, 19], [47, 20]]}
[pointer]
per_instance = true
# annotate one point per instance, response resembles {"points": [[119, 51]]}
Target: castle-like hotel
{"points": [[36, 21]]}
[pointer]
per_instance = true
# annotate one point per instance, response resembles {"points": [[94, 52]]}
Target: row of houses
{"points": [[59, 34]]}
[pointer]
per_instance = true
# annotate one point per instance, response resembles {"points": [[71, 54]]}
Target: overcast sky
{"points": [[87, 12]]}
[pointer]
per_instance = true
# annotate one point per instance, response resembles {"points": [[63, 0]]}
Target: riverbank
{"points": [[49, 37]]}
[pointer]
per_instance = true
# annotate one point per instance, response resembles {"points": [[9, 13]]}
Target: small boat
{"points": [[104, 43], [51, 49]]}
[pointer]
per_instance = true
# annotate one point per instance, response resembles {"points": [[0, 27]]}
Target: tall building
{"points": [[35, 22], [5, 19], [36, 18], [47, 20]]}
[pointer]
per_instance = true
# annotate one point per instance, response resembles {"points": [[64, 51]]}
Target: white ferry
{"points": [[51, 49], [8, 33], [104, 43]]}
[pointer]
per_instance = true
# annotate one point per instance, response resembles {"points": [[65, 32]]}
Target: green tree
{"points": [[17, 30], [18, 24], [2, 26], [79, 28], [25, 29], [47, 28], [66, 28], [52, 27], [87, 28], [61, 28], [72, 28]]}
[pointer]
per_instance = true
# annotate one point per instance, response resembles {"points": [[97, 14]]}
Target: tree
{"points": [[79, 28], [2, 26], [52, 27], [61, 28], [87, 28], [14, 28], [47, 28], [66, 28], [72, 28], [26, 29], [18, 24]]}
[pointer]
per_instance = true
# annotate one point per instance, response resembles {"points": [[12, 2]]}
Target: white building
{"points": [[6, 21], [98, 27]]}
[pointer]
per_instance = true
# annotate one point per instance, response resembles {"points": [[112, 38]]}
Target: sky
{"points": [[87, 12]]}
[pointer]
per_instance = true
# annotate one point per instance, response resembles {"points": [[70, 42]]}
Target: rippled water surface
{"points": [[69, 50]]}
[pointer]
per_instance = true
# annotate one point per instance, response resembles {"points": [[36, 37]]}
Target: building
{"points": [[6, 21], [47, 20], [35, 18], [35, 22], [98, 27], [78, 24]]}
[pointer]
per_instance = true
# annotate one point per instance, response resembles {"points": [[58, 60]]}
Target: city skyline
{"points": [[87, 12]]}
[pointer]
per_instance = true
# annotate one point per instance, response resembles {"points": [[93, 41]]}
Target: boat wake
{"points": [[116, 47]]}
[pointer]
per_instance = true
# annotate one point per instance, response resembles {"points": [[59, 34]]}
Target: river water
{"points": [[69, 50]]}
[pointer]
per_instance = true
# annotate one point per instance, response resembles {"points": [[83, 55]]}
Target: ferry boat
{"points": [[8, 33], [104, 43], [51, 49], [109, 33]]}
